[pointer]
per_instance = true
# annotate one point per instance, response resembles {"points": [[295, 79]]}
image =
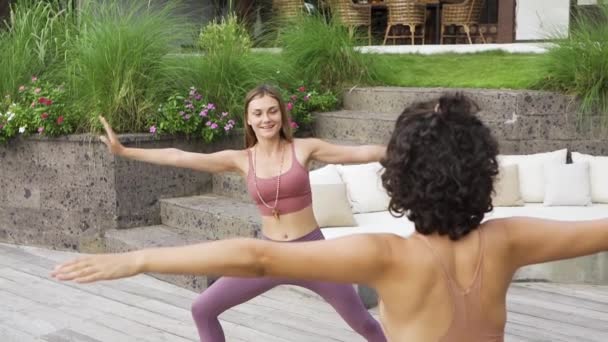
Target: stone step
{"points": [[123, 240], [497, 104], [212, 216], [355, 127]]}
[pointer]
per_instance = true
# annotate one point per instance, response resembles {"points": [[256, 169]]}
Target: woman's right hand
{"points": [[110, 139]]}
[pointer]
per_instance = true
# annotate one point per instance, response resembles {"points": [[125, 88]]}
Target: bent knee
{"points": [[205, 306]]}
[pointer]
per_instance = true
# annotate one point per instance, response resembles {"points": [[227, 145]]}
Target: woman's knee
{"points": [[369, 327], [205, 306]]}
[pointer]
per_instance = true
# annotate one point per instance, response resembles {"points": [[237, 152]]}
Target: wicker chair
{"points": [[465, 14], [353, 16], [288, 9], [408, 13]]}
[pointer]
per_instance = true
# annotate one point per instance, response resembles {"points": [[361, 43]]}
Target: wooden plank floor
{"points": [[34, 307]]}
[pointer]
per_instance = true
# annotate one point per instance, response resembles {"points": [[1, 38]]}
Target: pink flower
{"points": [[306, 98], [293, 124], [198, 97], [302, 89], [294, 97], [231, 122], [213, 125], [34, 78], [208, 123], [33, 104], [187, 117], [152, 129], [203, 112], [210, 106], [22, 89], [60, 120], [289, 106], [224, 113], [45, 101], [40, 130], [44, 115], [37, 91], [227, 128]]}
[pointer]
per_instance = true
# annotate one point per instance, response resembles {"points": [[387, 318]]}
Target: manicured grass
{"points": [[492, 70], [495, 70]]}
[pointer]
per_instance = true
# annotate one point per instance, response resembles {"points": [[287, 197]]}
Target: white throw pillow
{"points": [[364, 187], [330, 203], [598, 169], [327, 174], [531, 174], [568, 185], [506, 187], [331, 207]]}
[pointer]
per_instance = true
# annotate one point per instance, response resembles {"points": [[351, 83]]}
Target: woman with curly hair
{"points": [[448, 282]]}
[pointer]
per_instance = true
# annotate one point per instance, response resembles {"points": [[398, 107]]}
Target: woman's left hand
{"points": [[98, 267]]}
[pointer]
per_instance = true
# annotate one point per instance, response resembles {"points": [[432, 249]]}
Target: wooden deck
{"points": [[34, 307]]}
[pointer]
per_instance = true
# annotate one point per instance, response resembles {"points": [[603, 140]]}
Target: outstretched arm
{"points": [[354, 259], [213, 162], [343, 154], [533, 240]]}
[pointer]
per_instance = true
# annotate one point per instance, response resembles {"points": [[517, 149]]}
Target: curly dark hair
{"points": [[440, 166]]}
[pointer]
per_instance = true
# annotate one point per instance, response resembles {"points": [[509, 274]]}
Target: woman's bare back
{"points": [[431, 272]]}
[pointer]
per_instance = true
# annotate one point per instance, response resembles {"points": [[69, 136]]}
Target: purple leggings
{"points": [[228, 292]]}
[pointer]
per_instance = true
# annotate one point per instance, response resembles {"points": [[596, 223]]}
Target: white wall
{"points": [[539, 19]]}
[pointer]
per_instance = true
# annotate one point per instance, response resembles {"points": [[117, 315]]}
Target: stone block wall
{"points": [[65, 192], [523, 121]]}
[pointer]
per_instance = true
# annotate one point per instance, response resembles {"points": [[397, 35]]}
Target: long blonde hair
{"points": [[260, 91]]}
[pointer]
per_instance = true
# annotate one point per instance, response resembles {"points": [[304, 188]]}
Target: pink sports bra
{"points": [[294, 192]]}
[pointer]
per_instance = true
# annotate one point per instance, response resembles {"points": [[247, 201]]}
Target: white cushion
{"points": [[531, 175], [567, 184], [325, 175], [364, 187], [383, 222], [506, 187], [330, 205], [598, 170], [538, 210], [373, 223]]}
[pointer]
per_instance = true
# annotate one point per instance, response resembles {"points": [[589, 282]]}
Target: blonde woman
{"points": [[275, 166]]}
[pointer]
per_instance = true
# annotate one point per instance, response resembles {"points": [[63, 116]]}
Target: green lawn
{"points": [[494, 70]]}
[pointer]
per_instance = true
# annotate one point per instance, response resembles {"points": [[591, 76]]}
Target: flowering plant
{"points": [[191, 115], [38, 108], [301, 102]]}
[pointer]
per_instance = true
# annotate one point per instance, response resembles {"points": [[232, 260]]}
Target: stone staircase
{"points": [[368, 116]]}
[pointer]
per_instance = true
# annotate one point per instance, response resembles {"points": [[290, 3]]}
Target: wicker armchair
{"points": [[465, 14], [288, 9], [353, 16], [408, 13]]}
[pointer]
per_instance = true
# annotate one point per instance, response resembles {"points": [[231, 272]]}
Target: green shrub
{"points": [[226, 33], [578, 64], [33, 41], [117, 66], [324, 52]]}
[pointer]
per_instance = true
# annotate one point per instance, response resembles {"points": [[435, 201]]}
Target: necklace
{"points": [[275, 211]]}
